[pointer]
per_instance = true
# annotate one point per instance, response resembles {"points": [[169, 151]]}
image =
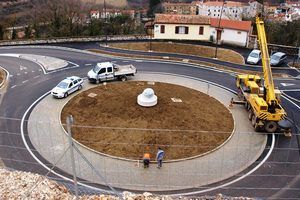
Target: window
{"points": [[102, 70], [181, 30], [75, 82], [239, 32], [201, 30], [162, 28], [71, 84], [109, 69]]}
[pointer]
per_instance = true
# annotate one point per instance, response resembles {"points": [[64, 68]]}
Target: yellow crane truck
{"points": [[260, 97]]}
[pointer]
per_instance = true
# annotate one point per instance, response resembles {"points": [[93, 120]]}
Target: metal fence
{"points": [[235, 168]]}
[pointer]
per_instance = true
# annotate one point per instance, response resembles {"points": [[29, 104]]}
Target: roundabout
{"points": [[185, 122], [246, 161], [241, 149]]}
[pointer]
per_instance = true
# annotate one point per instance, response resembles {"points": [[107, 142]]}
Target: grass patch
{"points": [[197, 50]]}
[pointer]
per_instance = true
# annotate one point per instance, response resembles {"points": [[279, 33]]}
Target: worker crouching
{"points": [[146, 160]]}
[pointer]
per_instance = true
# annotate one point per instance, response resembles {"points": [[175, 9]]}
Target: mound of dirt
{"points": [[109, 120]]}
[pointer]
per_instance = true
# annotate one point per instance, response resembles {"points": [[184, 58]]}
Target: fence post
{"points": [[69, 124]]}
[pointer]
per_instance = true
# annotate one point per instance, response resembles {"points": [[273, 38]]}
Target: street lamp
{"points": [[219, 23]]}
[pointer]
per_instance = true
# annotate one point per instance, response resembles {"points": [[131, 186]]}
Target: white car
{"points": [[254, 57], [67, 86]]}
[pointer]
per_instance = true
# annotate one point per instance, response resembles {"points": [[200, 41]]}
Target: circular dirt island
{"points": [[184, 123]]}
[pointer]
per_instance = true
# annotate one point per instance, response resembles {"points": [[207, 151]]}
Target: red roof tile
{"points": [[181, 19], [231, 24]]}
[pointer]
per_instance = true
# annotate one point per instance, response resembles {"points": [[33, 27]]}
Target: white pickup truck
{"points": [[106, 71]]}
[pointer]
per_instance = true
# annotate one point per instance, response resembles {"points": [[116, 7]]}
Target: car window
{"points": [[62, 85], [253, 55], [102, 70], [275, 57], [109, 69], [79, 80], [70, 85], [75, 82]]}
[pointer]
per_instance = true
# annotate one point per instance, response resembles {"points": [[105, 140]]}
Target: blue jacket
{"points": [[160, 155]]}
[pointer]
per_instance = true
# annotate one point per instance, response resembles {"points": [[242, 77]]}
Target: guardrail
{"points": [[74, 39]]}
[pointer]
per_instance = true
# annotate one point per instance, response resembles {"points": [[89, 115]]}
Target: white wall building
{"points": [[181, 27], [230, 31], [231, 10]]}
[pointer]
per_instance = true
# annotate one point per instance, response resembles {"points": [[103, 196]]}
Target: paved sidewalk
{"points": [[47, 62], [238, 153]]}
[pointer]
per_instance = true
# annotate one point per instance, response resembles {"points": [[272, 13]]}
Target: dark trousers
{"points": [[159, 163], [146, 163]]}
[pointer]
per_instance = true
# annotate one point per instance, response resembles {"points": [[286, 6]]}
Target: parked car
{"points": [[278, 58], [67, 86], [254, 57]]}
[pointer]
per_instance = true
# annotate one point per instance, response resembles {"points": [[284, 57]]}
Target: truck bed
{"points": [[124, 70]]}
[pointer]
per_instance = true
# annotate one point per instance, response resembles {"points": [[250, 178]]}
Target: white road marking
{"points": [[24, 81], [287, 84], [25, 72], [88, 64], [235, 180], [291, 90], [138, 60], [40, 69], [22, 68], [40, 162], [36, 76], [32, 71], [18, 74], [11, 75], [291, 102], [13, 86], [292, 98], [125, 61]]}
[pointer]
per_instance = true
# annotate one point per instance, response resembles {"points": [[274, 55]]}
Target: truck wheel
{"points": [[253, 120], [123, 78], [271, 126], [250, 115], [65, 95]]}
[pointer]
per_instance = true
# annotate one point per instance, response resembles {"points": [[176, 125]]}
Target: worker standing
{"points": [[159, 157], [146, 160]]}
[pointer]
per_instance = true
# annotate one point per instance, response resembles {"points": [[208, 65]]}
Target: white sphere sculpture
{"points": [[147, 98]]}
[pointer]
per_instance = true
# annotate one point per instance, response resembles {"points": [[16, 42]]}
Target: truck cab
{"points": [[101, 72]]}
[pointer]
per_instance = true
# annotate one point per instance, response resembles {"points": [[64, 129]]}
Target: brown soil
{"points": [[195, 126], [2, 75], [198, 50]]}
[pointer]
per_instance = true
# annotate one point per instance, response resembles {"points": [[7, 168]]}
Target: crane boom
{"points": [[262, 101], [268, 79]]}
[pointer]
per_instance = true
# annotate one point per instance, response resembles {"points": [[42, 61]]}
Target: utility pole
{"points": [[105, 22], [217, 38], [71, 144]]}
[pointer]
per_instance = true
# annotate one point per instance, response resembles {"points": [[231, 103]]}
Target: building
{"points": [[181, 8], [213, 9], [231, 31], [181, 27], [252, 9]]}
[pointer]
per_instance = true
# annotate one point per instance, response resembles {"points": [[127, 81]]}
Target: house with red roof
{"points": [[181, 27], [196, 27], [231, 31]]}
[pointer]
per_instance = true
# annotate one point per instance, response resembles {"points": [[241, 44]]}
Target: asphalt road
{"points": [[278, 178]]}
